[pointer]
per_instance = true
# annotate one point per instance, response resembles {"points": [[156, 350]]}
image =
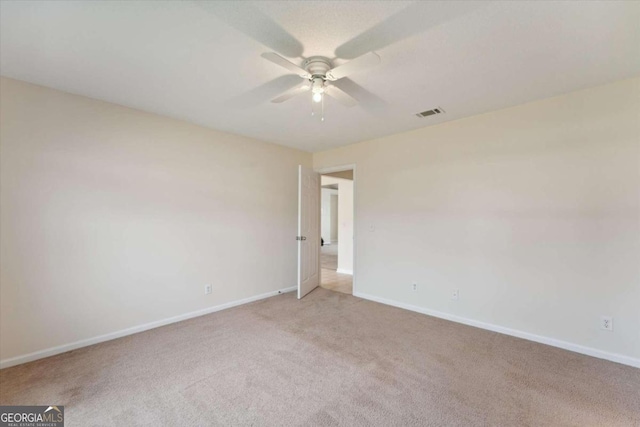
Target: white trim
{"points": [[343, 271], [589, 351], [133, 330]]}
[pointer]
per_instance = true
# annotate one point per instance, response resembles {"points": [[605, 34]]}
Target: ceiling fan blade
{"points": [[264, 92], [277, 59], [250, 20], [360, 63], [341, 96], [300, 89], [369, 101], [414, 19]]}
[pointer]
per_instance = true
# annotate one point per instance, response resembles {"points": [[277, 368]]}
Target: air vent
{"points": [[430, 112]]}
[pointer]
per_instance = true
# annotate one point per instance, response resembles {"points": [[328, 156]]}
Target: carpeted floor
{"points": [[329, 359]]}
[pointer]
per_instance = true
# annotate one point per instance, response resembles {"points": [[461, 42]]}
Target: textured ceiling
{"points": [[200, 61]]}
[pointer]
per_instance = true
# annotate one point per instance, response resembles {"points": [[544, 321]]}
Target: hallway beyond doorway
{"points": [[330, 278]]}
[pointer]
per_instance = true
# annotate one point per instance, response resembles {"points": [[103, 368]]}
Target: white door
{"points": [[308, 231]]}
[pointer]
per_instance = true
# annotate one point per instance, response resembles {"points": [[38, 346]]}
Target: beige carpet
{"points": [[329, 359]]}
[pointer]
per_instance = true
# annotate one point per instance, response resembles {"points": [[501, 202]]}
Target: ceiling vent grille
{"points": [[430, 113]]}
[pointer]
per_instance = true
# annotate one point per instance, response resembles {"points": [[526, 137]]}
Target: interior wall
{"points": [[348, 174], [335, 202], [112, 218], [345, 227], [532, 213], [325, 215], [328, 224]]}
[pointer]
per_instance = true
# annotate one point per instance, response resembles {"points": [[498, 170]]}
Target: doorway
{"points": [[337, 230]]}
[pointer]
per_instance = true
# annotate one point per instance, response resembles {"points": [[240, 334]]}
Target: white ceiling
{"points": [[200, 61]]}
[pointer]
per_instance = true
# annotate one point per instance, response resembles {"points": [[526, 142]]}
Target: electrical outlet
{"points": [[455, 295], [208, 289], [606, 323], [414, 286]]}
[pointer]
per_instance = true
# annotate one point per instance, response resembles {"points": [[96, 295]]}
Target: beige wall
{"points": [[112, 218], [348, 174], [345, 227], [532, 212], [334, 217], [328, 221]]}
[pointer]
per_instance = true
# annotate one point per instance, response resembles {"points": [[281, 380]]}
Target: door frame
{"points": [[342, 168]]}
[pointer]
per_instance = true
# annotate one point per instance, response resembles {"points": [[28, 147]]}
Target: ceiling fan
{"points": [[318, 74]]}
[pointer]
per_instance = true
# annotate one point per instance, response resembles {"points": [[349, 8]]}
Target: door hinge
{"points": [[301, 238]]}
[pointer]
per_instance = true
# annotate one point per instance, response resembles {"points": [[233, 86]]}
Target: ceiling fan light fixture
{"points": [[317, 85], [317, 72], [317, 88]]}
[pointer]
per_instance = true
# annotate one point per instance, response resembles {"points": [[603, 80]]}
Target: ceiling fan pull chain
{"points": [[322, 118]]}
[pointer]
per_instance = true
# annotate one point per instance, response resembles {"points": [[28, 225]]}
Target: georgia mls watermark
{"points": [[31, 416]]}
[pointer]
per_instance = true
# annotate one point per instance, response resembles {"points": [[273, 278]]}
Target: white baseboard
{"points": [[343, 271], [133, 330], [589, 351]]}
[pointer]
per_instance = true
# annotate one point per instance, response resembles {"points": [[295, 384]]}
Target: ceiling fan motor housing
{"points": [[317, 66]]}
